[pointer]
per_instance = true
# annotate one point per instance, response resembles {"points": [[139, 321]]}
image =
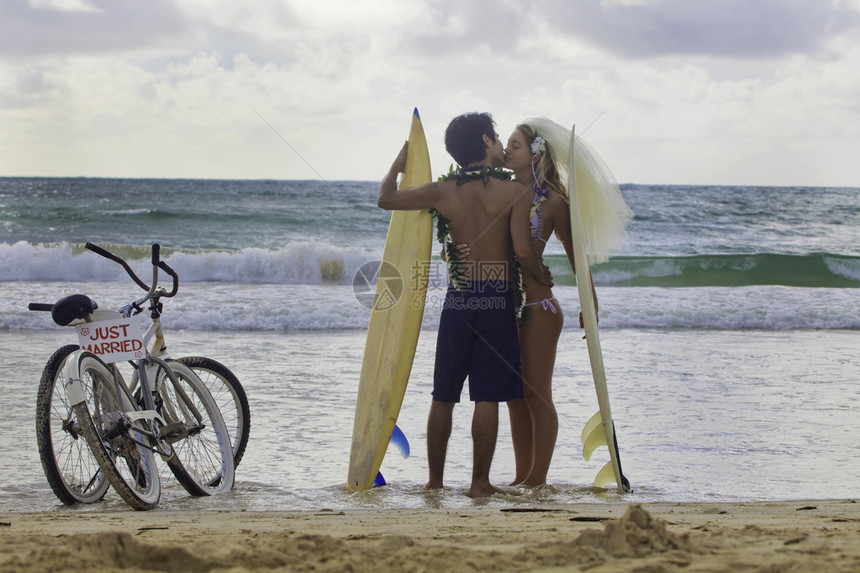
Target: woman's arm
{"points": [[561, 221]]}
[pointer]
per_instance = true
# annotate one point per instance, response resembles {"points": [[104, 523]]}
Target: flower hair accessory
{"points": [[538, 146]]}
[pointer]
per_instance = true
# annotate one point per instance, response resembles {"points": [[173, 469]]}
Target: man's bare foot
{"points": [[483, 490]]}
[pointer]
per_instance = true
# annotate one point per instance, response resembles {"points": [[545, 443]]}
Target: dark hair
{"points": [[463, 137]]}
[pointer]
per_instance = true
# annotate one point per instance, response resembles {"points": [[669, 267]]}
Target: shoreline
{"points": [[802, 535]]}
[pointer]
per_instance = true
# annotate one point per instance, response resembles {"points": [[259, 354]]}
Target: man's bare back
{"points": [[480, 214]]}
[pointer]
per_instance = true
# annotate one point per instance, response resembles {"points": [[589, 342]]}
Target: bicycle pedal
{"points": [[172, 433]]}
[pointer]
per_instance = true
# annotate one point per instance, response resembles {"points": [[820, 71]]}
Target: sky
{"points": [[688, 92]]}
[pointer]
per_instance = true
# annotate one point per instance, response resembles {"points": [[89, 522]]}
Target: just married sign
{"points": [[113, 340]]}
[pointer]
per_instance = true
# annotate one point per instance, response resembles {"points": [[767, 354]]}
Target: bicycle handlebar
{"points": [[151, 291], [157, 263], [109, 255]]}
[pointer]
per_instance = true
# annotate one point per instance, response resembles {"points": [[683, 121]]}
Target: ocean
{"points": [[729, 325]]}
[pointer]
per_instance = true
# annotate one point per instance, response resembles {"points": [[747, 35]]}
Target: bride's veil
{"points": [[604, 212]]}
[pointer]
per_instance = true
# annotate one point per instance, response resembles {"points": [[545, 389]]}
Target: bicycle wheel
{"points": [[230, 397], [70, 467], [120, 445], [203, 454]]}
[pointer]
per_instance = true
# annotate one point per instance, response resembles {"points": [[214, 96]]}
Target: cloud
{"points": [[177, 91], [719, 28], [485, 28], [65, 28], [265, 30], [65, 5]]}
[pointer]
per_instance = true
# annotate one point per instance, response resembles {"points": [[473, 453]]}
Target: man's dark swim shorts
{"points": [[478, 338]]}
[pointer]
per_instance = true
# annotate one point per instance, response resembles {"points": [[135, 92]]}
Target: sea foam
{"points": [[295, 263]]}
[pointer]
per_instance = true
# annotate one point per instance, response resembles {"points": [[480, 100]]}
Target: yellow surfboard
{"points": [[600, 429], [395, 322]]}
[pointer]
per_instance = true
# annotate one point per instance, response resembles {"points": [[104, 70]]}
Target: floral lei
{"points": [[465, 174], [456, 267]]}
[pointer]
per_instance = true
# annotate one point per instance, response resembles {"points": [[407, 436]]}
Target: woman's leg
{"points": [[521, 436], [538, 344]]}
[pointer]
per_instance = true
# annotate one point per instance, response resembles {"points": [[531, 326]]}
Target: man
{"points": [[477, 331]]}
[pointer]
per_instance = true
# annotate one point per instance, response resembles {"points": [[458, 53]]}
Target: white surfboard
{"points": [[600, 429]]}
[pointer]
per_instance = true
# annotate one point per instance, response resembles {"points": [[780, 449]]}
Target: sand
{"points": [[766, 536]]}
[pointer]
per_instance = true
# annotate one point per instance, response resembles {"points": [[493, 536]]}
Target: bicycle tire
{"points": [[70, 467], [230, 397], [116, 442], [202, 458]]}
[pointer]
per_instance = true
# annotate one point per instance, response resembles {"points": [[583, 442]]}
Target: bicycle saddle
{"points": [[72, 307]]}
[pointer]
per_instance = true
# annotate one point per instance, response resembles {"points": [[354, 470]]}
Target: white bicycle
{"points": [[165, 408]]}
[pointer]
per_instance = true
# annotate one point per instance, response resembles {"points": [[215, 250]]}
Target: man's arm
{"points": [[412, 199], [524, 248]]}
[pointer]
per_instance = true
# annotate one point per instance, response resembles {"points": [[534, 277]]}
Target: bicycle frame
{"points": [[146, 371], [149, 416]]}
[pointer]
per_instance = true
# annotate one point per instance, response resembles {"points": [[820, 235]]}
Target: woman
{"points": [[537, 153]]}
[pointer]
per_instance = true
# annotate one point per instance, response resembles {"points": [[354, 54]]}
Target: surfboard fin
{"points": [[605, 476], [398, 438], [593, 436]]}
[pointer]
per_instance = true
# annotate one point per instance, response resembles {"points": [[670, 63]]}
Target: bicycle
{"points": [[72, 472], [82, 396], [219, 380]]}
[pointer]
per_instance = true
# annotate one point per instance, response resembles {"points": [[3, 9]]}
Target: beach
{"points": [[729, 334], [762, 536]]}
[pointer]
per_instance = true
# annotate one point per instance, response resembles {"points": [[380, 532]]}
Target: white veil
{"points": [[604, 212]]}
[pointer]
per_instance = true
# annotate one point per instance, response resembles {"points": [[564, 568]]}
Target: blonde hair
{"points": [[546, 172]]}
